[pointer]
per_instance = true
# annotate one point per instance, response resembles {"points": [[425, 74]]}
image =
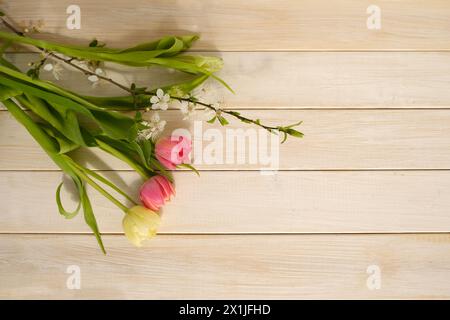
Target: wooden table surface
{"points": [[366, 189]]}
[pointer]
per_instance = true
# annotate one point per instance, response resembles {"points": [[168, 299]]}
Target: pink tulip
{"points": [[172, 151], [155, 192]]}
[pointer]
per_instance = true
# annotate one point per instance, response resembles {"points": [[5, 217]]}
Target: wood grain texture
{"points": [[362, 176], [299, 79], [351, 139], [227, 267], [247, 202], [256, 25]]}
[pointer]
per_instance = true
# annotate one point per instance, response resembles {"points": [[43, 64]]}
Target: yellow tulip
{"points": [[140, 224]]}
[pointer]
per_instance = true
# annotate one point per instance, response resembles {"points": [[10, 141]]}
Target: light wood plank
{"points": [[227, 267], [334, 139], [255, 25], [247, 202], [300, 79]]}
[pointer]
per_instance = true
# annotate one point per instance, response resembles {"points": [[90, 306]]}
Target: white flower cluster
{"points": [[180, 100], [56, 68], [155, 126]]}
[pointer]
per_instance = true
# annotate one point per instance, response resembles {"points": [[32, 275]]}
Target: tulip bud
{"points": [[140, 224], [211, 64], [172, 151], [155, 192]]}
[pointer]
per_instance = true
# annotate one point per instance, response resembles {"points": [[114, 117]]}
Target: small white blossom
{"points": [[145, 134], [187, 108], [99, 71], [155, 126], [156, 121], [160, 100], [48, 67], [93, 78], [55, 68], [208, 92], [183, 106]]}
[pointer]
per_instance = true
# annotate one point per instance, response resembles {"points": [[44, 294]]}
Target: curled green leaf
{"points": [[62, 211]]}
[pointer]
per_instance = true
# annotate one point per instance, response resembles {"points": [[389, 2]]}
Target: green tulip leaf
{"points": [[89, 216], [62, 211], [8, 93]]}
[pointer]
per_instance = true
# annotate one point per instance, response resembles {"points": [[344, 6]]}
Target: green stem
{"points": [[82, 174], [32, 127], [106, 181], [271, 129], [107, 148], [229, 112]]}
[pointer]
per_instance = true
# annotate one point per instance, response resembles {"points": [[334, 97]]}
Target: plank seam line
{"points": [[318, 108], [238, 233], [247, 170], [199, 50]]}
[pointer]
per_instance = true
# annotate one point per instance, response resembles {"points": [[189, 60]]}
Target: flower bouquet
{"points": [[61, 120]]}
